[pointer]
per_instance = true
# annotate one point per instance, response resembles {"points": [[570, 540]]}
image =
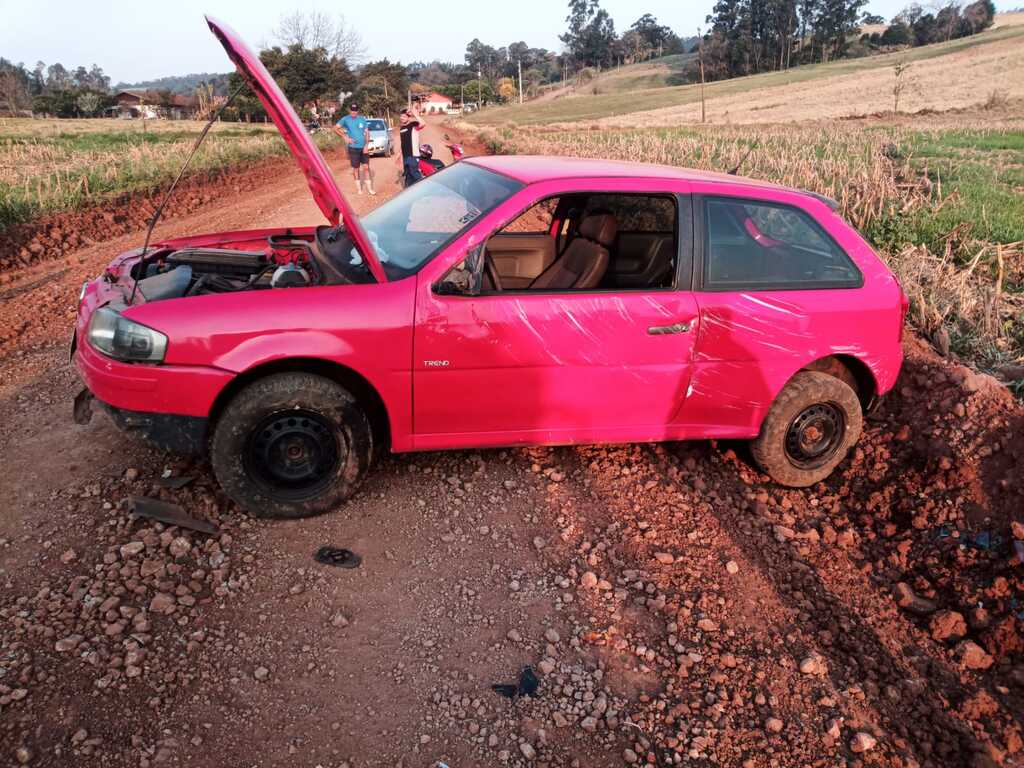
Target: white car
{"points": [[381, 142]]}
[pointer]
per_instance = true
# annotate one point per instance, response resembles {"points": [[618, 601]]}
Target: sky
{"points": [[136, 40]]}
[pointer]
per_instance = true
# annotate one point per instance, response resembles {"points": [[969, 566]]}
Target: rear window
{"points": [[752, 244]]}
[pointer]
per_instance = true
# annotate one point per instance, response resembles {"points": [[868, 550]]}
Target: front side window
{"points": [[585, 241], [750, 244]]}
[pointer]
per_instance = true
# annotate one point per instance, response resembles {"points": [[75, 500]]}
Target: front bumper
{"points": [[170, 432], [168, 405]]}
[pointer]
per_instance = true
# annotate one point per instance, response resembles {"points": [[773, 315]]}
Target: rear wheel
{"points": [[292, 445], [809, 429]]}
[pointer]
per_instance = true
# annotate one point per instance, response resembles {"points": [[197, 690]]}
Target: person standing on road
{"points": [[409, 139], [353, 128]]}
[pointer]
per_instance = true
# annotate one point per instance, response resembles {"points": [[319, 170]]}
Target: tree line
{"points": [[53, 89], [746, 37]]}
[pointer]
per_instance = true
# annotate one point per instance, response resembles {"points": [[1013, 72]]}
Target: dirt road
{"points": [[676, 607]]}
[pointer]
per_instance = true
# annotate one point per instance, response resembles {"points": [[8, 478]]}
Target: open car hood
{"points": [[304, 150]]}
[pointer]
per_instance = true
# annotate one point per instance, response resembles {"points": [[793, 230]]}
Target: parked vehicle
{"points": [[381, 142], [502, 301]]}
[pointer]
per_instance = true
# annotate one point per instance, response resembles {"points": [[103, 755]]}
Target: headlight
{"points": [[122, 339]]}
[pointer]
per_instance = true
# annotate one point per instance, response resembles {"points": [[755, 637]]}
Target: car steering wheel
{"points": [[492, 271]]}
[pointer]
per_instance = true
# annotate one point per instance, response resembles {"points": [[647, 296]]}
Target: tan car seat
{"points": [[585, 261]]}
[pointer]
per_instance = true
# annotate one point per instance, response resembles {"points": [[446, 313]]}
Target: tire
{"points": [[292, 445], [812, 404]]}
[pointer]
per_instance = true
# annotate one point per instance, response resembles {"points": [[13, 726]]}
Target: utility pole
{"points": [[479, 88], [462, 97], [519, 64], [700, 57]]}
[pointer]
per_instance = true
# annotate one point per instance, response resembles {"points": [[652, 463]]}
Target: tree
{"points": [[88, 102], [317, 29], [381, 87], [507, 89], [896, 33], [591, 38], [871, 19], [978, 16]]}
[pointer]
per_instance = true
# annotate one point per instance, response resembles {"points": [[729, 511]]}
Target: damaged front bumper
{"points": [[168, 431], [168, 405]]}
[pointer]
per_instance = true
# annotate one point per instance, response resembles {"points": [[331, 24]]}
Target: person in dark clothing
{"points": [[409, 140]]}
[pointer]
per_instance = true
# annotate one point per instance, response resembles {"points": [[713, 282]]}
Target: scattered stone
{"points": [[261, 673], [22, 755], [539, 543], [814, 665], [131, 474], [732, 567], [1017, 528], [664, 558], [629, 756], [527, 749], [68, 556], [862, 742], [552, 636], [162, 603], [131, 549], [773, 725], [707, 625], [972, 655], [179, 547], [514, 636], [588, 580], [68, 643], [947, 625]]}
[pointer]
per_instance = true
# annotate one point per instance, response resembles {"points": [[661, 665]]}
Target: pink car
{"points": [[503, 301]]}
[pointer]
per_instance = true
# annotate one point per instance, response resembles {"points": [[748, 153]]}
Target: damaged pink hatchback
{"points": [[503, 301]]}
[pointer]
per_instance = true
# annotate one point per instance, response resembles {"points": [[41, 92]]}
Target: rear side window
{"points": [[753, 244]]}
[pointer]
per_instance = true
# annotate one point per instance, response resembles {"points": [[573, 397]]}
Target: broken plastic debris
{"points": [[526, 686], [340, 558], [172, 514]]}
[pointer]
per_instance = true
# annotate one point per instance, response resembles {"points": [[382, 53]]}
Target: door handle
{"points": [[664, 330]]}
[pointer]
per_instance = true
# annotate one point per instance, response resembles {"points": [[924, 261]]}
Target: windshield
{"points": [[376, 125], [410, 228]]}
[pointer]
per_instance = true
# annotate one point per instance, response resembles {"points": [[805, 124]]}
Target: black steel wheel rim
{"points": [[815, 435], [293, 454]]}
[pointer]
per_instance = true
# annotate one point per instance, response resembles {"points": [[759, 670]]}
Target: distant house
{"points": [[151, 105], [435, 102]]}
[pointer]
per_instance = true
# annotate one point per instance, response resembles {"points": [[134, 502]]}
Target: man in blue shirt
{"points": [[353, 129]]}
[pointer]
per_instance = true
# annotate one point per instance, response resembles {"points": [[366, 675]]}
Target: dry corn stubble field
{"points": [[50, 165]]}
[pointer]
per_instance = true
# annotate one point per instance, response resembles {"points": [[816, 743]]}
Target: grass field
{"points": [[53, 165], [980, 65]]}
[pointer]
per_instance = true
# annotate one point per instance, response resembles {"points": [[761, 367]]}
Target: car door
{"points": [[777, 290], [557, 366]]}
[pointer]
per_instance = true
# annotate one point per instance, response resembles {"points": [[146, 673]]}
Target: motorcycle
{"points": [[456, 149]]}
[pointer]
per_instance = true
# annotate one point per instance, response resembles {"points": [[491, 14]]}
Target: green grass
{"points": [[621, 102], [981, 172]]}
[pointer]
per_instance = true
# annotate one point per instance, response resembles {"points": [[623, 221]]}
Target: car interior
{"points": [[586, 242]]}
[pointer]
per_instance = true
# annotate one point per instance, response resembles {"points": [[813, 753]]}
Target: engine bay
{"points": [[284, 261]]}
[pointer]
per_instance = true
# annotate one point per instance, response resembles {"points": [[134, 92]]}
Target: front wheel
{"points": [[291, 445], [809, 429]]}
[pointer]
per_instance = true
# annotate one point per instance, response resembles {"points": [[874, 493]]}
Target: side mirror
{"points": [[466, 277]]}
